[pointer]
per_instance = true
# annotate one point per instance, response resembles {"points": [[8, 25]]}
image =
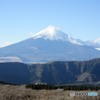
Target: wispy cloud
{"points": [[30, 34], [5, 44]]}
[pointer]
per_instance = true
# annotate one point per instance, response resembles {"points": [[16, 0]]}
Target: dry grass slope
{"points": [[11, 92]]}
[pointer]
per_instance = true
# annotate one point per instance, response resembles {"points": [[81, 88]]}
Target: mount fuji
{"points": [[50, 44]]}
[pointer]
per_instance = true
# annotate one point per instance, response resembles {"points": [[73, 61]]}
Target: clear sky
{"points": [[18, 18]]}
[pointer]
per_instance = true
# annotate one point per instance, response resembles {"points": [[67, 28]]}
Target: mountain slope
{"points": [[60, 72], [50, 44], [67, 72], [16, 73]]}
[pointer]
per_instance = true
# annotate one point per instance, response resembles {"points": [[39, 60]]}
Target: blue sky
{"points": [[79, 18]]}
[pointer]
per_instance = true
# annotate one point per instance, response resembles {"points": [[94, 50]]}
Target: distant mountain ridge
{"points": [[50, 44], [59, 72]]}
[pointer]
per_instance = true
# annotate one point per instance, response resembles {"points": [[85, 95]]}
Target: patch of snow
{"points": [[75, 41]]}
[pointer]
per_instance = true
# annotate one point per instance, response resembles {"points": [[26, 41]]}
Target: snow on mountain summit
{"points": [[54, 33], [51, 33]]}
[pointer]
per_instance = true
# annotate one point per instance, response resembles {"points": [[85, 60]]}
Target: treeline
{"points": [[64, 87]]}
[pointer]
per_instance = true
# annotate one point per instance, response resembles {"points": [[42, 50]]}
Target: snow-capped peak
{"points": [[51, 33], [54, 33]]}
